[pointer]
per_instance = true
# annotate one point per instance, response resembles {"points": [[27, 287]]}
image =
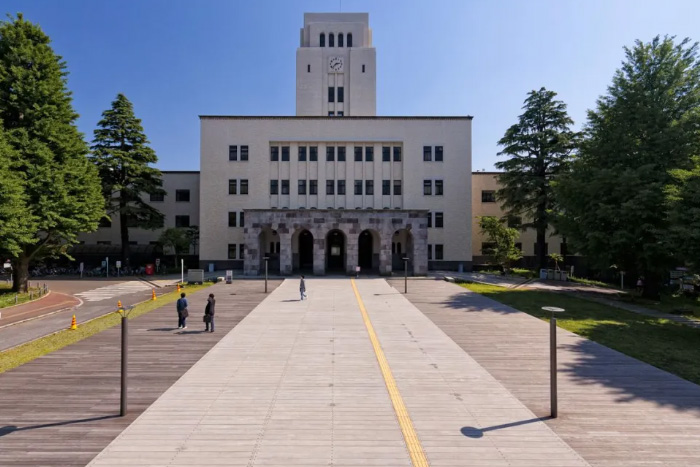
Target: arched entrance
{"points": [[269, 246], [305, 250], [335, 251], [368, 250], [402, 247]]}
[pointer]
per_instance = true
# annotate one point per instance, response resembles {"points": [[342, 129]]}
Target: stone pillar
{"points": [[420, 251], [319, 254], [285, 252], [385, 252], [351, 251], [251, 260]]}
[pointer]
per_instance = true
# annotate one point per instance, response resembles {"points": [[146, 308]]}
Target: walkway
{"points": [[50, 303], [299, 383], [613, 410], [61, 409]]}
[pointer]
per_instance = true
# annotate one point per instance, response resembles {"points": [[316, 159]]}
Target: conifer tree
{"points": [[60, 186], [122, 156]]}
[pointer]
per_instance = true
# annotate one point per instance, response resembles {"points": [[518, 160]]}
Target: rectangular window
{"points": [[244, 186], [358, 153], [241, 223], [430, 252], [232, 187], [285, 187], [438, 188], [386, 187], [285, 153], [302, 153], [231, 251], [438, 153], [330, 153], [439, 220], [274, 153], [438, 252], [488, 196], [313, 154], [519, 246], [301, 187], [182, 221], [358, 187], [369, 154], [341, 94], [341, 187], [363, 67], [427, 187], [308, 68], [157, 197], [244, 153], [331, 94], [397, 153], [427, 153], [397, 187], [233, 153], [341, 153], [313, 187], [331, 113], [430, 220], [330, 187], [386, 154], [241, 251], [369, 187], [274, 187], [232, 217], [340, 113], [182, 196]]}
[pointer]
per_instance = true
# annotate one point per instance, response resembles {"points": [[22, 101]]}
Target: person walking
{"points": [[302, 288], [182, 312], [209, 313]]}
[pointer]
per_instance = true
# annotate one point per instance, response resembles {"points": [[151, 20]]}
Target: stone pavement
{"points": [[613, 409], [301, 383]]}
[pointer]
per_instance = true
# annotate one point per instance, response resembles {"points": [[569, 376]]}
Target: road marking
{"points": [[113, 290], [415, 449]]}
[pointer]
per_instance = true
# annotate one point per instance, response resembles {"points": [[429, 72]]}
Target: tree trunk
{"points": [[20, 273], [124, 228], [541, 254]]}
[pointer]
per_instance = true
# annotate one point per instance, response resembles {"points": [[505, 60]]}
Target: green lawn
{"points": [[665, 344], [582, 280], [668, 303], [27, 352], [7, 296]]}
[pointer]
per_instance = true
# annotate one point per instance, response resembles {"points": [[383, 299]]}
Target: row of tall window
{"points": [[236, 248], [439, 220], [335, 153], [180, 221], [238, 187], [331, 39], [334, 187], [236, 153], [439, 252], [428, 187], [430, 155], [181, 196], [236, 219], [332, 94]]}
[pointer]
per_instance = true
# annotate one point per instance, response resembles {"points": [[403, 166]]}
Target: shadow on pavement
{"points": [[6, 430], [471, 432]]}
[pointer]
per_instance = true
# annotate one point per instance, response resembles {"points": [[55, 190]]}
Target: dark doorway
{"points": [[365, 247], [335, 251], [306, 251]]}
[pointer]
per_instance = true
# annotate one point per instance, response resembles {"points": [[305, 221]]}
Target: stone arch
{"points": [[336, 251], [269, 245], [303, 250], [368, 248], [404, 237]]}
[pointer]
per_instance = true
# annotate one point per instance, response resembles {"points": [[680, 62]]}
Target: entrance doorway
{"points": [[335, 251], [365, 250], [306, 251]]}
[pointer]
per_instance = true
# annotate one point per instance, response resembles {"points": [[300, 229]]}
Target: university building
{"points": [[333, 187]]}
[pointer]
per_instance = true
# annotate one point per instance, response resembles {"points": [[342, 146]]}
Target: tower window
{"points": [[349, 40], [322, 40], [358, 187], [386, 154], [313, 153], [438, 153], [363, 68], [358, 153], [340, 39], [369, 187], [313, 187], [285, 153], [301, 187], [274, 153], [302, 153], [331, 94], [369, 154], [330, 153], [341, 153], [427, 153], [397, 153], [341, 94], [308, 68], [331, 40], [285, 187], [330, 187], [386, 187], [341, 187]]}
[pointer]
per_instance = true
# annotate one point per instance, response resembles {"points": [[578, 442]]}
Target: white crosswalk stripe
{"points": [[114, 290]]}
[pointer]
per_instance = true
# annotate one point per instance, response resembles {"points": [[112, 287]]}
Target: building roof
{"points": [[321, 117]]}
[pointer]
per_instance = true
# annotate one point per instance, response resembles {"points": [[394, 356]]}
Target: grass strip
{"points": [[7, 296], [24, 353], [665, 344]]}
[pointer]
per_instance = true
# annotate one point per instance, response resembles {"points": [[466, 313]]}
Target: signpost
{"points": [[82, 267], [125, 353], [553, 359], [157, 264], [357, 272], [107, 265], [182, 271], [622, 280], [267, 258], [405, 275], [119, 265]]}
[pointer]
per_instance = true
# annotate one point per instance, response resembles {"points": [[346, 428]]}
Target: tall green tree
{"points": [[122, 156], [502, 240], [684, 214], [16, 226], [177, 240], [60, 186], [539, 149], [614, 201]]}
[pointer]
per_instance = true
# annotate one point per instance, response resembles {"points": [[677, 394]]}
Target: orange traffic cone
{"points": [[178, 286], [153, 295], [74, 324], [119, 304]]}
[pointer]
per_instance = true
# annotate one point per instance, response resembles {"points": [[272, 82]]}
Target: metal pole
{"points": [[265, 275], [125, 350], [182, 271], [405, 276], [553, 366]]}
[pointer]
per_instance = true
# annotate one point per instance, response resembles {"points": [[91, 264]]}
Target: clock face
{"points": [[335, 64]]}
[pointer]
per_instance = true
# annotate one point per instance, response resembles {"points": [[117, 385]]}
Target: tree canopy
{"points": [[501, 238]]}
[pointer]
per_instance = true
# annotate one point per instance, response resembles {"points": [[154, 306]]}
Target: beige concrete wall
{"points": [[482, 181]]}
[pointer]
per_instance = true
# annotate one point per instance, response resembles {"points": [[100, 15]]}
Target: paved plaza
{"points": [[301, 383]]}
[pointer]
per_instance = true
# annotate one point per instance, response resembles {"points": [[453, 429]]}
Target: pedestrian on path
{"points": [[302, 288], [640, 285], [182, 312], [209, 313]]}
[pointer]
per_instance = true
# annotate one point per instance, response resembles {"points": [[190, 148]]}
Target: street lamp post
{"points": [[553, 396], [267, 258], [125, 353], [405, 274]]}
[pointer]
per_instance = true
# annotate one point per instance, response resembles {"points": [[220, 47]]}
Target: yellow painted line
{"points": [[415, 449]]}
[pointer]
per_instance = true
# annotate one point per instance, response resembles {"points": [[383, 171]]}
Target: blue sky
{"points": [[177, 59]]}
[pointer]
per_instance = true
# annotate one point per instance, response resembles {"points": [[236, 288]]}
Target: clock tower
{"points": [[336, 66]]}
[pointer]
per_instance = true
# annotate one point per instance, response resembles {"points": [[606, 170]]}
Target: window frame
{"points": [[341, 187], [274, 153], [274, 187], [439, 220], [243, 186], [232, 152], [439, 155], [284, 186], [341, 154], [231, 248], [427, 153], [301, 186], [439, 252], [180, 218], [399, 185], [284, 154], [340, 90], [330, 153], [488, 196], [357, 187], [243, 153], [301, 153], [313, 153], [427, 187], [369, 187], [386, 153], [313, 186], [369, 153], [179, 193], [331, 94], [397, 153], [386, 187], [330, 187], [439, 188], [232, 219], [232, 186], [358, 153], [157, 196]]}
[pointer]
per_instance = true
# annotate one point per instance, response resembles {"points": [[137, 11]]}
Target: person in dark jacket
{"points": [[182, 312], [209, 313]]}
